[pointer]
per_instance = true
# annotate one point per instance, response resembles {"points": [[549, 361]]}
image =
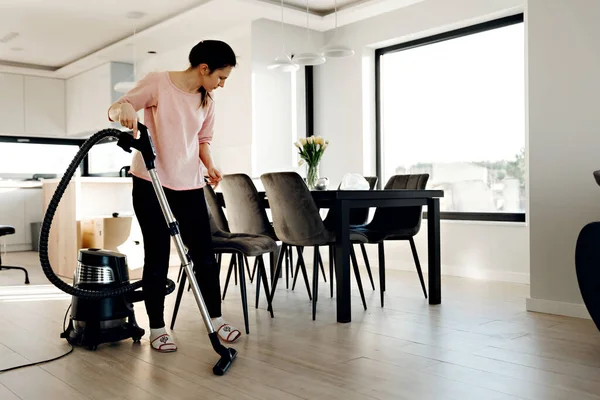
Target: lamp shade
{"points": [[283, 63], [338, 51], [309, 59]]}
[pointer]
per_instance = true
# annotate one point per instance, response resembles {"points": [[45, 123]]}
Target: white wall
{"points": [[564, 120], [344, 101], [232, 142], [279, 101]]}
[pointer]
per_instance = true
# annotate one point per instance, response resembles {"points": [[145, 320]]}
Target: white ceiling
{"points": [[64, 37]]}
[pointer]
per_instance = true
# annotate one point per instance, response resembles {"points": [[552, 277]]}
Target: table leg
{"points": [[342, 261], [433, 247]]}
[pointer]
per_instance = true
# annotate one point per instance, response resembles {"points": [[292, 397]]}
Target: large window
{"points": [[453, 106]]}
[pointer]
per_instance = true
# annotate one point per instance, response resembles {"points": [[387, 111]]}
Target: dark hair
{"points": [[214, 53]]}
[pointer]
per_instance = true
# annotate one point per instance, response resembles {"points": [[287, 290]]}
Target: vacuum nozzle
{"points": [[227, 355]]}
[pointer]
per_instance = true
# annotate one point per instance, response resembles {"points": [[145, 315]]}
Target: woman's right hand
{"points": [[128, 117]]}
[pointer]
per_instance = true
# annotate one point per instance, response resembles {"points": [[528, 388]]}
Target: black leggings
{"points": [[189, 209]]}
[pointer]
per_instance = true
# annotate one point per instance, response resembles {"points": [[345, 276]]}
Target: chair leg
{"points": [[288, 268], [321, 264], [262, 271], [381, 270], [258, 281], [302, 265], [357, 275], [418, 265], [178, 299], [251, 274], [315, 296], [232, 266], [17, 268], [180, 273], [366, 258], [243, 291], [282, 254], [299, 249], [331, 260]]}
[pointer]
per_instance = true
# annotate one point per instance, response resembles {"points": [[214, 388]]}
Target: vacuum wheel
{"points": [[136, 339]]}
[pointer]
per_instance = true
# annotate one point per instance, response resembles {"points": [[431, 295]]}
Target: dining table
{"points": [[342, 201]]}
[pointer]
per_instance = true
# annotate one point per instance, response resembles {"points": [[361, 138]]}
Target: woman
{"points": [[179, 113]]}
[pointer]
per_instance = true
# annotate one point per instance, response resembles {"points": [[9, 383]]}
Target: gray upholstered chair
{"points": [[246, 214], [239, 245], [397, 223], [297, 223], [222, 224]]}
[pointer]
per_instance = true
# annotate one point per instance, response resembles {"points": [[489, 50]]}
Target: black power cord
{"points": [[45, 361]]}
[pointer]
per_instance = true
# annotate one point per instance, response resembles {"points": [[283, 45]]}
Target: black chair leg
{"points": [[243, 291], [288, 268], [315, 282], [302, 265], [258, 282], [418, 265], [366, 258], [381, 270], [299, 249], [357, 275], [178, 299], [262, 271], [232, 266], [321, 264], [331, 260], [282, 254], [250, 273], [17, 268]]}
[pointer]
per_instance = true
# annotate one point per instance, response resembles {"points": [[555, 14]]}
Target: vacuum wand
{"points": [[146, 148]]}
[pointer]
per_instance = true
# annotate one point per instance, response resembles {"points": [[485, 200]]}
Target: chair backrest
{"points": [[245, 211], [401, 218], [216, 211], [296, 218], [360, 216]]}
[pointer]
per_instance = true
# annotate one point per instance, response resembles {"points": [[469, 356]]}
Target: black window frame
{"points": [[453, 34]]}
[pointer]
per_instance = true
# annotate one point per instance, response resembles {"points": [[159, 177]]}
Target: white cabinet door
{"points": [[44, 106], [88, 99], [12, 112]]}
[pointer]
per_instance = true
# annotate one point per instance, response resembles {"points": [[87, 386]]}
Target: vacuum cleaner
{"points": [[102, 294]]}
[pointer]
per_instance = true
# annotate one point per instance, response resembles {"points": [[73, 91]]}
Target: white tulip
{"points": [[303, 141]]}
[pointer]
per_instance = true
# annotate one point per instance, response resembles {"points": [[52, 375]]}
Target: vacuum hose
{"points": [[45, 230]]}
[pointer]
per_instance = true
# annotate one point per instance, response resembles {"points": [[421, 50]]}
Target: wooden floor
{"points": [[479, 344]]}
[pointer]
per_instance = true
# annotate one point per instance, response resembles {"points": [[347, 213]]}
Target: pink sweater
{"points": [[177, 125]]}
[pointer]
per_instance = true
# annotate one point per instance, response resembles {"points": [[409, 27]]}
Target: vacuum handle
{"points": [[143, 144]]}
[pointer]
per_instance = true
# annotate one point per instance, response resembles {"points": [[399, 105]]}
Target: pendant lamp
{"points": [[283, 62], [309, 58], [337, 50]]}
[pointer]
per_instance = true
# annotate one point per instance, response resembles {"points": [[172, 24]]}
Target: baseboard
{"points": [[18, 247], [557, 308], [486, 274]]}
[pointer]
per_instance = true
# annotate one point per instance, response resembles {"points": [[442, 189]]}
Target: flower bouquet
{"points": [[311, 150]]}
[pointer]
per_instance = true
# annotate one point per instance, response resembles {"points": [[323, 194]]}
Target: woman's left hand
{"points": [[214, 177]]}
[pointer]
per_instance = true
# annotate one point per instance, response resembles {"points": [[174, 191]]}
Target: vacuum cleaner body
{"points": [[104, 320]]}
